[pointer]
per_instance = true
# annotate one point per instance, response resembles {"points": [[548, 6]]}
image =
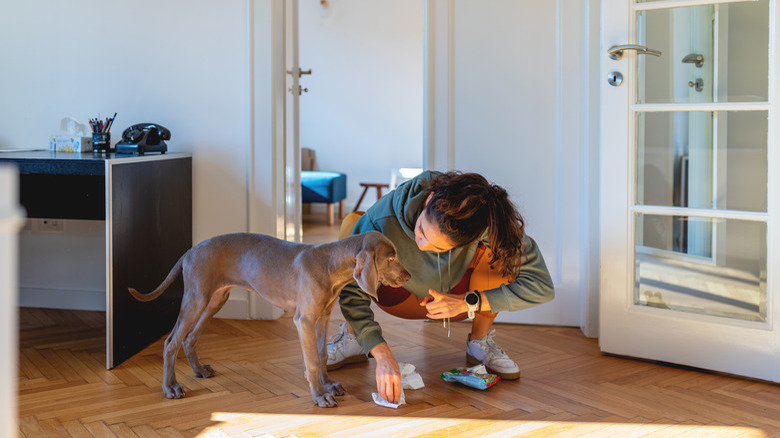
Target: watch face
{"points": [[472, 299]]}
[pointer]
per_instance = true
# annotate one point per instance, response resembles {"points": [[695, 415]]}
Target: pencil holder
{"points": [[101, 142]]}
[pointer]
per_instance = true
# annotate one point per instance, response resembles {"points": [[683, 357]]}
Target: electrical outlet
{"points": [[51, 225]]}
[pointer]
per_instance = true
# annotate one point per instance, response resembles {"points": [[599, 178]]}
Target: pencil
{"points": [[110, 122]]}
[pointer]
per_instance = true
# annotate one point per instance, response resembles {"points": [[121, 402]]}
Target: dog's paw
{"points": [[205, 371], [335, 388], [325, 400], [173, 391]]}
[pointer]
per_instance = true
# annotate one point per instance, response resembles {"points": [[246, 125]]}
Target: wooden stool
{"points": [[366, 186]]}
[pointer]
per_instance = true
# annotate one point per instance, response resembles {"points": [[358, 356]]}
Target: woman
{"points": [[441, 224]]}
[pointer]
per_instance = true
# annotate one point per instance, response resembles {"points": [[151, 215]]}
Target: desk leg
{"points": [[149, 226]]}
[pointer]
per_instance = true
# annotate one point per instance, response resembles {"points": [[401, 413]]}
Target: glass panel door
{"points": [[711, 53], [689, 193], [689, 162], [732, 287]]}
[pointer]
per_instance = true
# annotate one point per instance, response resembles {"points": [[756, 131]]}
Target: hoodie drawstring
{"points": [[447, 323]]}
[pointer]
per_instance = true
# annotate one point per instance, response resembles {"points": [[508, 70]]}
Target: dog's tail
{"points": [[161, 288]]}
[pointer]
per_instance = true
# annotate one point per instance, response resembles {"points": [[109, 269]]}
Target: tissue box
{"points": [[70, 143]]}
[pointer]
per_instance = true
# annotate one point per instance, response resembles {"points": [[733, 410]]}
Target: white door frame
{"points": [[274, 122], [439, 84], [273, 204], [292, 168], [11, 220]]}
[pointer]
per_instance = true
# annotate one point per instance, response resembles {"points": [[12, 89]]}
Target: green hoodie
{"points": [[395, 216]]}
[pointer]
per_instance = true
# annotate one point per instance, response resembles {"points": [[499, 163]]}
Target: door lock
{"points": [[698, 85], [301, 90], [615, 78]]}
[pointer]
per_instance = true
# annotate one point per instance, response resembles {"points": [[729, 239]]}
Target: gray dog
{"points": [[297, 277]]}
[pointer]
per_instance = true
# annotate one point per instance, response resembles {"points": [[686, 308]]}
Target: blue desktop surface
{"points": [[61, 163], [68, 185]]}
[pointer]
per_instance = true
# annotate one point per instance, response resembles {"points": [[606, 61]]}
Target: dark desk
{"points": [[146, 203]]}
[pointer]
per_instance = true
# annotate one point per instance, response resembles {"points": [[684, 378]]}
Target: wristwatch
{"points": [[472, 300]]}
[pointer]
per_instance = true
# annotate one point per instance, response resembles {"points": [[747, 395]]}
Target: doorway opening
{"points": [[362, 113]]}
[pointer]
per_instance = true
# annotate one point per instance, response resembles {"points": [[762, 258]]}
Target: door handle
{"points": [[616, 52], [301, 72], [694, 58]]}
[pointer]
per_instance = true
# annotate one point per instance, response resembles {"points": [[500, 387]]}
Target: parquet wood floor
{"points": [[568, 388]]}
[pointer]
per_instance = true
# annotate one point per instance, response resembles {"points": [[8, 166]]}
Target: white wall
{"points": [[187, 68], [205, 70], [183, 64], [63, 269], [363, 112], [513, 103]]}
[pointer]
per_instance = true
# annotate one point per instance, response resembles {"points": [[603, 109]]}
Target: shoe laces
{"points": [[335, 340], [494, 349]]}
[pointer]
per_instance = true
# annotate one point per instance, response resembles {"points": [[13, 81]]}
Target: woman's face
{"points": [[428, 236]]}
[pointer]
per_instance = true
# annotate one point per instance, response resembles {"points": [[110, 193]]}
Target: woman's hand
{"points": [[442, 306], [388, 374]]}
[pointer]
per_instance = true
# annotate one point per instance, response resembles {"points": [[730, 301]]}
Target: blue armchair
{"points": [[320, 186]]}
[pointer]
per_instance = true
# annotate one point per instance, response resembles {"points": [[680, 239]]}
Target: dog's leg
{"points": [[218, 300], [307, 328], [192, 306], [331, 386]]}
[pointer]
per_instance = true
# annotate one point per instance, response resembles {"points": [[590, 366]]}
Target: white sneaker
{"points": [[486, 351], [343, 349]]}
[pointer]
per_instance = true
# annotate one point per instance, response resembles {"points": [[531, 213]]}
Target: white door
{"points": [[689, 226], [274, 152], [501, 100], [292, 125]]}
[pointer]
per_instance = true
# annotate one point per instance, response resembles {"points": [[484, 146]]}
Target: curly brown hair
{"points": [[465, 204]]}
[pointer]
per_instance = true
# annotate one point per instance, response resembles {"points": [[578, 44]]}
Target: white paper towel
{"points": [[410, 379]]}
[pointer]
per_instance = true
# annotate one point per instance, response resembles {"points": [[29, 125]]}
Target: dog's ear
{"points": [[365, 273]]}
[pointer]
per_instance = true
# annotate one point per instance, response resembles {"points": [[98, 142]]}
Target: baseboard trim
{"points": [[62, 298], [234, 308]]}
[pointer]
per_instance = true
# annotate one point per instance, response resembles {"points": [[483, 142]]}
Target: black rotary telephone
{"points": [[144, 137]]}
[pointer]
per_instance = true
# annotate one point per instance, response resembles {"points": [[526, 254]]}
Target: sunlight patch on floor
{"points": [[302, 426]]}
